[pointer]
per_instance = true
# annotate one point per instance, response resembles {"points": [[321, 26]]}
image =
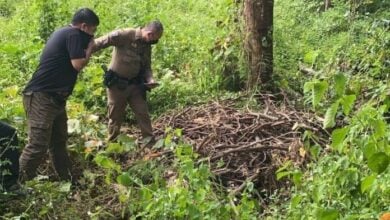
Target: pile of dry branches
{"points": [[244, 145]]}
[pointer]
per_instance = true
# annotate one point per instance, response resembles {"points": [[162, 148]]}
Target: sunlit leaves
{"points": [[124, 179], [347, 103], [310, 57], [11, 91], [367, 183], [330, 115], [317, 90], [338, 137], [327, 214], [340, 82], [106, 162]]}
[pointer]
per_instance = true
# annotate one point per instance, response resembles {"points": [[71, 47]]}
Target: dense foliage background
{"points": [[200, 58]]}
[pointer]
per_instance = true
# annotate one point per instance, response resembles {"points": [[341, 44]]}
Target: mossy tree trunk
{"points": [[258, 16], [327, 4]]}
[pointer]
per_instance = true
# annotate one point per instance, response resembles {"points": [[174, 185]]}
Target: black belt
{"points": [[59, 94], [53, 94], [135, 80]]}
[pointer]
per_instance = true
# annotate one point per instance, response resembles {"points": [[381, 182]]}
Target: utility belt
{"points": [[111, 78]]}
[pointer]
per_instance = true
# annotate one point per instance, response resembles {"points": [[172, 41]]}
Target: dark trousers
{"points": [[134, 96], [47, 131], [9, 156]]}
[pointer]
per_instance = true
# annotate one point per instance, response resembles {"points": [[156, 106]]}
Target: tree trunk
{"points": [[327, 4], [258, 16]]}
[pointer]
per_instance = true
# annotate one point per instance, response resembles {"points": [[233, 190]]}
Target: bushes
{"points": [[350, 91]]}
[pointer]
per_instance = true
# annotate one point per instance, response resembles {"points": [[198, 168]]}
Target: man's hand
{"points": [[79, 64], [90, 48]]}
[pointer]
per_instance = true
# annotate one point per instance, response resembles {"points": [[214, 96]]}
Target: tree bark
{"points": [[258, 16], [327, 4]]}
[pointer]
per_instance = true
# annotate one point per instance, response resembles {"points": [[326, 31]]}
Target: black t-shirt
{"points": [[55, 72]]}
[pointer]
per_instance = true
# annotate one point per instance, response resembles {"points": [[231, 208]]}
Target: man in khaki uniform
{"points": [[129, 75]]}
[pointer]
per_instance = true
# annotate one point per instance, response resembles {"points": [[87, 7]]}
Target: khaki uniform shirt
{"points": [[129, 55]]}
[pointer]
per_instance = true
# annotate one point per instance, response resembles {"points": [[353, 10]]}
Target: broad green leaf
{"points": [[319, 89], [338, 137], [347, 103], [124, 179], [106, 162], [297, 178], [378, 162], [380, 128], [330, 115], [310, 57], [340, 82], [115, 148], [367, 183], [282, 174], [295, 201], [327, 214], [179, 132], [369, 149]]}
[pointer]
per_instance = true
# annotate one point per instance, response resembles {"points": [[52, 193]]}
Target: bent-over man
{"points": [[129, 75]]}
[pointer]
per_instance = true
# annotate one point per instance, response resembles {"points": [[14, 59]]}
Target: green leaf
{"points": [[297, 178], [319, 89], [315, 151], [295, 201], [340, 82], [106, 162], [378, 162], [347, 103], [285, 166], [367, 183], [330, 115], [114, 148], [124, 179], [380, 128], [338, 137], [327, 214], [310, 57], [282, 174], [369, 149]]}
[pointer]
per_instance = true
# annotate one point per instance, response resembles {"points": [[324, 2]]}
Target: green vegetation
{"points": [[200, 58]]}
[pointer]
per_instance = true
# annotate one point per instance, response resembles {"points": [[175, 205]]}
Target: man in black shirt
{"points": [[66, 52]]}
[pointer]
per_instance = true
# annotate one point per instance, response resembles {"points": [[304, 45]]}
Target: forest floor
{"points": [[240, 145]]}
